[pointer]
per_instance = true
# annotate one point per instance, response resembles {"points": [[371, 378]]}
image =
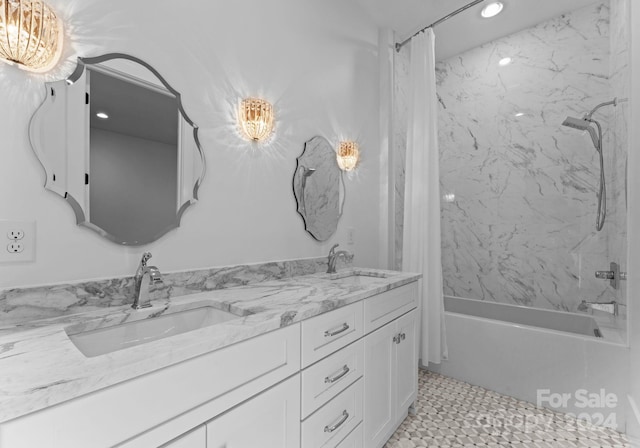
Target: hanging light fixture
{"points": [[348, 155], [256, 118], [30, 35]]}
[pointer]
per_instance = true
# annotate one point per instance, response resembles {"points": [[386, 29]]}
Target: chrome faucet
{"points": [[333, 258], [142, 299], [611, 307]]}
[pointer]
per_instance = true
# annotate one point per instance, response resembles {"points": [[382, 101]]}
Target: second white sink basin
{"points": [[110, 339], [357, 273]]}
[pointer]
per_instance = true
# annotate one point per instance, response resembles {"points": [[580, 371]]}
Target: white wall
{"points": [[316, 61], [133, 187]]}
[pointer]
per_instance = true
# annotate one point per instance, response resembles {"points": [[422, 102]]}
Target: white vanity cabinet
{"points": [[272, 419], [391, 365], [153, 409], [342, 379], [362, 380], [332, 387], [193, 439]]}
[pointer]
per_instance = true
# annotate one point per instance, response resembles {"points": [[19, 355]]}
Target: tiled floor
{"points": [[450, 413]]}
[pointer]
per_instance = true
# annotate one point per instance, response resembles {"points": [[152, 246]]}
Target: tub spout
{"points": [[611, 307]]}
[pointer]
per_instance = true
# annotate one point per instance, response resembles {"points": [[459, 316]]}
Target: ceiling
{"points": [[133, 109], [468, 29]]}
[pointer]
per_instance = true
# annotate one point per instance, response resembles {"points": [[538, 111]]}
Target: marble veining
{"points": [[519, 191], [57, 371], [20, 306]]}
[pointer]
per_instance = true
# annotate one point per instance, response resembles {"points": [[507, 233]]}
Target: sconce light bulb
{"points": [[348, 155], [255, 119], [30, 35]]}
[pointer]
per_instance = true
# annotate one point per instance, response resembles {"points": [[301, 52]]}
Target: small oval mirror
{"points": [[116, 143], [318, 187]]}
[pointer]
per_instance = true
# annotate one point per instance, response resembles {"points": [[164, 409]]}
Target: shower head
{"points": [[576, 123], [583, 125]]}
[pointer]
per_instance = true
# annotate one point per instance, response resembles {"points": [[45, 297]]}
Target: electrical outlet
{"points": [[15, 247], [19, 241], [15, 234]]}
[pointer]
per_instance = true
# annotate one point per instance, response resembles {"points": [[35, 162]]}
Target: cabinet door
{"points": [[353, 440], [269, 420], [406, 363], [379, 386], [194, 439]]}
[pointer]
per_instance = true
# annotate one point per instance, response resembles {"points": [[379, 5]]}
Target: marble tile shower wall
{"points": [[21, 305], [519, 192]]}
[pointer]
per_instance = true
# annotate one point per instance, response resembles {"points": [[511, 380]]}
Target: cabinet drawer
{"points": [[329, 425], [327, 378], [353, 440], [383, 308], [324, 334]]}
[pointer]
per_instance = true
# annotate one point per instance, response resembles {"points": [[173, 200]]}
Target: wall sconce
{"points": [[348, 155], [256, 118], [30, 35]]}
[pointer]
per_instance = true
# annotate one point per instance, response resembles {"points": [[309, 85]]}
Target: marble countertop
{"points": [[41, 367]]}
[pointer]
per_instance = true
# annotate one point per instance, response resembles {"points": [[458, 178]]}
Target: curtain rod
{"points": [[437, 22]]}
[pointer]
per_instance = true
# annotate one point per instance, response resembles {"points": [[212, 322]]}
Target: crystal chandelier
{"points": [[348, 155], [30, 35], [256, 118]]}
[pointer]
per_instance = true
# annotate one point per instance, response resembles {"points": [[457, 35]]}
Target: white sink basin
{"points": [[350, 273], [110, 339]]}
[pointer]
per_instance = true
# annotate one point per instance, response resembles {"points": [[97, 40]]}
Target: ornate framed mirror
{"points": [[117, 145], [319, 189]]}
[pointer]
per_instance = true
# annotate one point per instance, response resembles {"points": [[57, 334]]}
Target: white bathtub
{"points": [[550, 358]]}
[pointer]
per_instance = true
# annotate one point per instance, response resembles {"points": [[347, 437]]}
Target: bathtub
{"points": [[533, 317], [552, 359]]}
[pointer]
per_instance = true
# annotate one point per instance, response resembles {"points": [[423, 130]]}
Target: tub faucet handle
{"points": [[613, 275]]}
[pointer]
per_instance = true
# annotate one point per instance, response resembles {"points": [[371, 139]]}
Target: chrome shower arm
{"points": [[614, 102]]}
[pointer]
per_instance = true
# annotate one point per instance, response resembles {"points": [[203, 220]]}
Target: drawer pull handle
{"points": [[342, 329], [336, 377], [345, 416]]}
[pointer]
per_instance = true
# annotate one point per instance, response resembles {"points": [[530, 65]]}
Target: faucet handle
{"points": [[155, 276], [145, 258], [333, 249]]}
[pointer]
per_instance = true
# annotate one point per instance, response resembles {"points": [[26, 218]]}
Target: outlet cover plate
{"points": [[28, 241]]}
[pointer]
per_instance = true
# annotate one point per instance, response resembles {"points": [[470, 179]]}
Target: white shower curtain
{"points": [[421, 239]]}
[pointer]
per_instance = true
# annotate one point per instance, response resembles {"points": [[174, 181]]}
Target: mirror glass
{"points": [[117, 145], [319, 188]]}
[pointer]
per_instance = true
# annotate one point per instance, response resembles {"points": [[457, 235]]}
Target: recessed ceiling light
{"points": [[102, 115], [504, 61], [519, 114], [492, 9]]}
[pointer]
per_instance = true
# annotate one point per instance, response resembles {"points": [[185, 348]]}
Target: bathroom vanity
{"points": [[314, 361]]}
